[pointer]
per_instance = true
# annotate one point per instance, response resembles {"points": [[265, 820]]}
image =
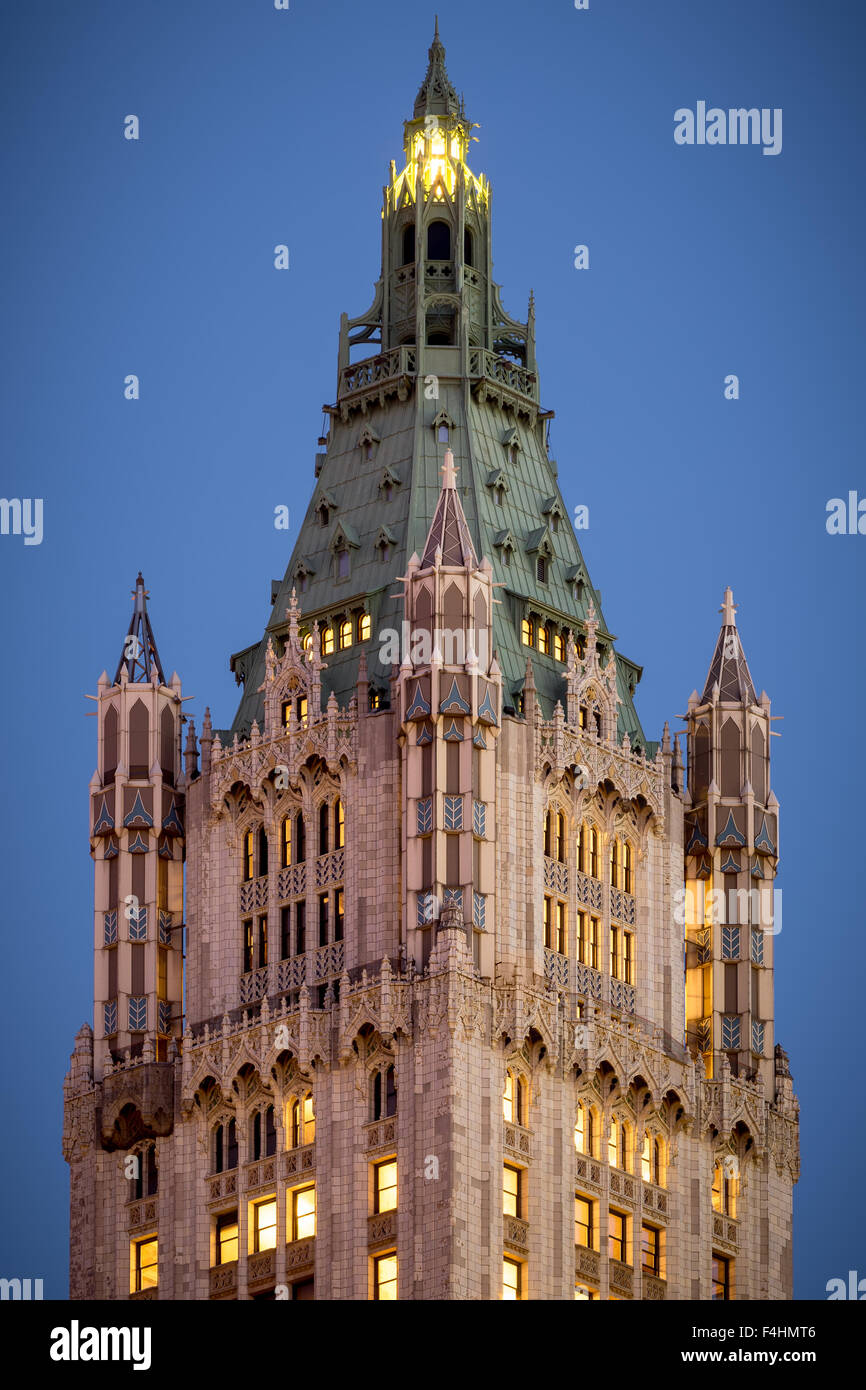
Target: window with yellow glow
{"points": [[302, 704], [628, 957], [385, 1186], [302, 1121], [548, 923], [651, 1251], [249, 852], [345, 633], [227, 1238], [339, 824], [304, 1212], [617, 1241], [585, 1294], [385, 1277], [508, 1098], [265, 1225], [327, 641], [559, 647], [143, 1264], [510, 1190], [594, 853], [365, 627], [527, 629], [584, 1222], [584, 1130], [512, 1280], [614, 952], [724, 1192], [560, 938], [543, 638], [286, 841], [627, 869]]}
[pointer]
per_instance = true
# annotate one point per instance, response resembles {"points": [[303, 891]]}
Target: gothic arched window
{"points": [[439, 242], [383, 1093]]}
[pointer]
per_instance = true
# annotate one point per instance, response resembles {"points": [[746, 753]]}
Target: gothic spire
{"points": [[449, 532], [729, 668], [436, 96], [139, 653]]}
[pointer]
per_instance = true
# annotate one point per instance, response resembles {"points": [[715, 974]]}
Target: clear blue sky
{"points": [[156, 258]]}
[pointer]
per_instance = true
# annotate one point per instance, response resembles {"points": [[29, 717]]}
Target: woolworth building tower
{"points": [[466, 989]]}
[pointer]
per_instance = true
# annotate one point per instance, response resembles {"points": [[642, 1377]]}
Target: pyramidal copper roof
{"points": [[729, 668], [449, 532]]}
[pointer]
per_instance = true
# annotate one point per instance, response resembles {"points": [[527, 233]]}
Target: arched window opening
{"points": [[270, 1132], [345, 634], [439, 242], [384, 1093], [263, 850], [544, 639]]}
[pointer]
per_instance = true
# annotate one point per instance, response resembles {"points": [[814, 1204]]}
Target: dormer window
{"points": [[499, 495], [443, 434], [541, 569], [444, 426], [324, 514], [367, 442], [327, 640], [344, 633], [342, 561], [388, 484]]}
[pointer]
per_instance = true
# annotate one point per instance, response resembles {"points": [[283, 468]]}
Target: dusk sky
{"points": [[155, 257]]}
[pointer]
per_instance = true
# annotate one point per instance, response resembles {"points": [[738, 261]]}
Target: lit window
{"points": [[345, 633], [327, 641], [593, 853], [548, 923], [143, 1265], [559, 646], [584, 1130], [365, 627], [651, 1251], [612, 1147], [560, 844], [614, 953], [307, 642], [385, 1278], [585, 1294], [286, 841], [385, 1186], [301, 708], [508, 1098], [302, 1118], [339, 824], [616, 1240], [584, 1224], [627, 869], [510, 1190], [614, 863], [724, 1192], [304, 1212], [527, 628], [560, 940], [248, 946], [249, 851], [628, 957], [287, 713], [227, 1238], [512, 1280], [265, 1225], [594, 938], [543, 639], [722, 1269]]}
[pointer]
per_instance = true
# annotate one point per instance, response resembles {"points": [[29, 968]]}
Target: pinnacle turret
{"points": [[436, 95], [139, 653], [729, 669]]}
